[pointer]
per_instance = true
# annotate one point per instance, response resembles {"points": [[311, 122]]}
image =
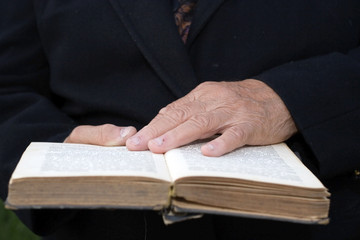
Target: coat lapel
{"points": [[204, 10], [151, 24]]}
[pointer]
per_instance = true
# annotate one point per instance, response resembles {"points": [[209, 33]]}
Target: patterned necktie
{"points": [[183, 16]]}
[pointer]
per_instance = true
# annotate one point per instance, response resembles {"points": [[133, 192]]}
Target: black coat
{"points": [[70, 62]]}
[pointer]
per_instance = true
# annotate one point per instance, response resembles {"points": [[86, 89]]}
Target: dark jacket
{"points": [[69, 62]]}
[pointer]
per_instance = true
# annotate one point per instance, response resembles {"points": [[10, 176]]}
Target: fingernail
{"points": [[124, 132], [135, 140], [159, 141], [210, 147]]}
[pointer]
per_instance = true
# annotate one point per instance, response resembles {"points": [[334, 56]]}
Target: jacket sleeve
{"points": [[323, 96], [29, 111]]}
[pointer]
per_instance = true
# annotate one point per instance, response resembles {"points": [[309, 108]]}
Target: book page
{"points": [[67, 159], [275, 164]]}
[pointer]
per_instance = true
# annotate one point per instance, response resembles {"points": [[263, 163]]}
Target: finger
{"points": [[168, 118], [198, 127], [104, 135], [231, 139]]}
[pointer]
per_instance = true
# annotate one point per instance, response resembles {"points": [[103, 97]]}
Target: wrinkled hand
{"points": [[103, 135], [245, 113]]}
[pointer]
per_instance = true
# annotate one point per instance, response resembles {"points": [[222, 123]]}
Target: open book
{"points": [[260, 181]]}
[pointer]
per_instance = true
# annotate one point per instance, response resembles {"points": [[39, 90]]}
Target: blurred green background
{"points": [[11, 228]]}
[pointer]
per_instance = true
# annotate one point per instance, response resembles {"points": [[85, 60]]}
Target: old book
{"points": [[258, 181]]}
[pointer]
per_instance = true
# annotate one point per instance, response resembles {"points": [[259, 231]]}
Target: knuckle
{"points": [[207, 84], [240, 134], [176, 114], [219, 90], [104, 132], [203, 88], [106, 128], [152, 131], [77, 134], [164, 110], [180, 114], [201, 122]]}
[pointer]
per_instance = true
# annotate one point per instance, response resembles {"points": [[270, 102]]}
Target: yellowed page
{"points": [[69, 160], [274, 164]]}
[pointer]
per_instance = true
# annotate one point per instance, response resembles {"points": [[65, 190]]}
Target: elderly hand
{"points": [[244, 112], [103, 135]]}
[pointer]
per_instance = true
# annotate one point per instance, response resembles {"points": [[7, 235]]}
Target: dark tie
{"points": [[183, 16]]}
